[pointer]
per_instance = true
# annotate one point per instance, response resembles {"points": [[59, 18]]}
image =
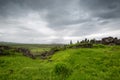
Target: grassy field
{"points": [[36, 49], [98, 63]]}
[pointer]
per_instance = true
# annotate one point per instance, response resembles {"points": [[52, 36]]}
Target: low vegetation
{"points": [[97, 63], [80, 61]]}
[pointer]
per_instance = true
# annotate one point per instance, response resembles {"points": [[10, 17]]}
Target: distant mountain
{"points": [[5, 43]]}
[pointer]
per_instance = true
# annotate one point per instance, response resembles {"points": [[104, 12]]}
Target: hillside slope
{"points": [[98, 63]]}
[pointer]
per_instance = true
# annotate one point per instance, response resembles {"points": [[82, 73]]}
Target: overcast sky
{"points": [[58, 21]]}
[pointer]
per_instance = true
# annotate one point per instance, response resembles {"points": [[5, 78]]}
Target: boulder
{"points": [[108, 40]]}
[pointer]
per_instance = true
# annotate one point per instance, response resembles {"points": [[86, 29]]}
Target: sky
{"points": [[58, 21]]}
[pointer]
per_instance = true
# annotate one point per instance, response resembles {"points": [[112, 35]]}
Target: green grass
{"points": [[30, 46], [92, 64], [23, 68], [98, 63], [38, 51]]}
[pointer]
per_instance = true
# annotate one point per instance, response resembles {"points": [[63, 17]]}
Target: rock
{"points": [[5, 47], [107, 40], [1, 52], [26, 52], [110, 41]]}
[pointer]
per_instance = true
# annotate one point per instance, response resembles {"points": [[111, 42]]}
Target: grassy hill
{"points": [[98, 63]]}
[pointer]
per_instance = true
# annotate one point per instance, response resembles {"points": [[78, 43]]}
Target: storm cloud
{"points": [[58, 21]]}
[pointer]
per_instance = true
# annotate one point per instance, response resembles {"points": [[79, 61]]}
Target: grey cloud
{"points": [[63, 17], [58, 11], [102, 8]]}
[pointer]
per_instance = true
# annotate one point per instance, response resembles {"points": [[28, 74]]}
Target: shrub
{"points": [[62, 70], [55, 48], [7, 52], [99, 46]]}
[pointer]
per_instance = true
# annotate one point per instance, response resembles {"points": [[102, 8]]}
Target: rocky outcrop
{"points": [[4, 50], [110, 41], [26, 52], [105, 41], [45, 54], [4, 47], [7, 50]]}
